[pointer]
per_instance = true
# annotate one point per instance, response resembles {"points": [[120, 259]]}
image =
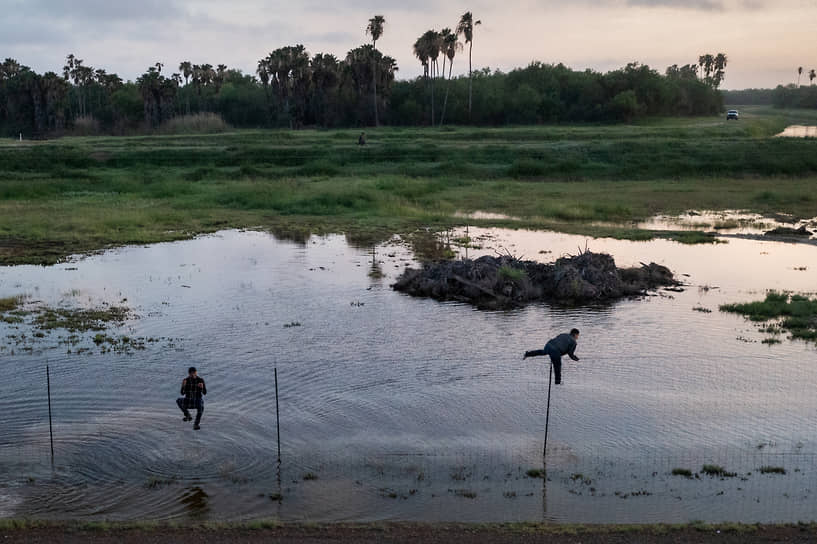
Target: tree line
{"points": [[293, 88]]}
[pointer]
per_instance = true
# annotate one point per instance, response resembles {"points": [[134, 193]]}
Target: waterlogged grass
{"points": [[9, 304], [81, 194], [796, 314], [717, 470]]}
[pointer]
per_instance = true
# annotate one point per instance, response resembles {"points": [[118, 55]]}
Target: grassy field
{"points": [[80, 194]]}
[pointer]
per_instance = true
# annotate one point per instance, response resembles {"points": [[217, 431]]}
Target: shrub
{"points": [[198, 123]]}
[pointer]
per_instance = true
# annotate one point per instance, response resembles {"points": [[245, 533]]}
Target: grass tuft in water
{"points": [[797, 314], [682, 472], [10, 304], [717, 470], [767, 469]]}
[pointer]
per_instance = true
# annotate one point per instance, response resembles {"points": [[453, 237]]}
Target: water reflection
{"points": [[195, 502], [799, 131]]}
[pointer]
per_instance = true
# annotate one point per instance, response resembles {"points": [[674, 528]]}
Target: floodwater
{"points": [[734, 222], [799, 131], [393, 407]]}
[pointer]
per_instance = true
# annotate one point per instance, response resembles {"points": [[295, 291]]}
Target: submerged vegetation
{"points": [[31, 325], [717, 470], [796, 314], [82, 194]]}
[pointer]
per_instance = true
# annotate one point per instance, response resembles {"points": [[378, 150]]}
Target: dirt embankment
{"points": [[448, 533], [506, 282]]}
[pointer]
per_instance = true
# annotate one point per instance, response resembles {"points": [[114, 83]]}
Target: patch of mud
{"points": [[506, 282]]}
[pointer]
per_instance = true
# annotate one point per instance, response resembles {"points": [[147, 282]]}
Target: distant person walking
{"points": [[564, 344], [193, 389], [361, 139]]}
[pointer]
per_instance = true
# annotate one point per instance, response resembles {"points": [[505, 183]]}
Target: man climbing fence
{"points": [[193, 389], [564, 344]]}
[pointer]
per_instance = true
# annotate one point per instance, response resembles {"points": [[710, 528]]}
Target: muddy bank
{"points": [[788, 231], [406, 532], [506, 282]]}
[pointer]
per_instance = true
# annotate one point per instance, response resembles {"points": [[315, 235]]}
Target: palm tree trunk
{"points": [[432, 95], [374, 81], [470, 78], [447, 86]]}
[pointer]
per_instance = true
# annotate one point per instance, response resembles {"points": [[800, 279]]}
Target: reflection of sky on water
{"points": [[799, 131], [379, 389]]}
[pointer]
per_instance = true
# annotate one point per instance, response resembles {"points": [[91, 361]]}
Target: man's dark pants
{"points": [[555, 358], [184, 404]]}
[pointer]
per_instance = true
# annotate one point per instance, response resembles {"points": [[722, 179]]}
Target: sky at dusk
{"points": [[764, 40]]}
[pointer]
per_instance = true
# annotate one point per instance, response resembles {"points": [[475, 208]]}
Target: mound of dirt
{"points": [[505, 282], [788, 231]]}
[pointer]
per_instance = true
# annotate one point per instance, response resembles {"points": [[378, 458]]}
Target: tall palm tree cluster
{"points": [[30, 101], [713, 68], [433, 46], [321, 89], [812, 74]]}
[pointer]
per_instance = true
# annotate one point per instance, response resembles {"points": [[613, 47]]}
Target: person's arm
{"points": [[184, 384], [203, 387], [571, 350]]}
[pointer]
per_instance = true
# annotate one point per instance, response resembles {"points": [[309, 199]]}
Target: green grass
{"points": [[86, 193], [797, 314], [682, 472], [9, 304], [509, 273]]}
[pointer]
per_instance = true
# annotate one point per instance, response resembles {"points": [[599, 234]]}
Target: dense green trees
{"points": [[292, 88], [545, 93]]}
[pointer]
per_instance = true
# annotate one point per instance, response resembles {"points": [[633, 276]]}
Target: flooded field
{"points": [[393, 407], [799, 131]]}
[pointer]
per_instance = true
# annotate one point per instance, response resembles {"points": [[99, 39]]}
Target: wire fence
{"points": [[103, 469]]}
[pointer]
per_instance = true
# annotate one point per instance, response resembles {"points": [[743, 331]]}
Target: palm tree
{"points": [[466, 28], [325, 78], [450, 47], [707, 63], [435, 47], [799, 73], [421, 54], [811, 75], [444, 33], [719, 66], [375, 30], [186, 68], [427, 49]]}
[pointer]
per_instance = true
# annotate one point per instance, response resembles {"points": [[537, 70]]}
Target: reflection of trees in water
{"points": [[195, 501], [375, 270]]}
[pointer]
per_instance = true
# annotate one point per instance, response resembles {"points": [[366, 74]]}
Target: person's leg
{"points": [[199, 412], [556, 361], [535, 353], [183, 408]]}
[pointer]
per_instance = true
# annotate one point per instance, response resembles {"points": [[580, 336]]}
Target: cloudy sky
{"points": [[765, 40]]}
